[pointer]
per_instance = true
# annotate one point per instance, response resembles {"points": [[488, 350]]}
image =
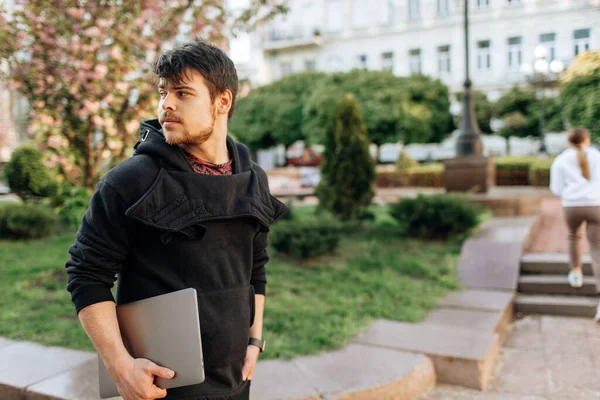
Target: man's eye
{"points": [[162, 94], [182, 94]]}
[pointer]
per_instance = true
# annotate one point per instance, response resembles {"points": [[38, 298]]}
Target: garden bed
{"points": [[311, 306], [510, 171]]}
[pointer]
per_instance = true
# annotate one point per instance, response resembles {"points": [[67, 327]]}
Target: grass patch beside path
{"points": [[311, 306], [35, 304]]}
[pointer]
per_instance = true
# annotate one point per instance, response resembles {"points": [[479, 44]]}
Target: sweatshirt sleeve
{"points": [[259, 259], [101, 245], [557, 182]]}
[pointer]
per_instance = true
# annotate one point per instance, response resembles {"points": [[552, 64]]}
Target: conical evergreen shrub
{"points": [[348, 171]]}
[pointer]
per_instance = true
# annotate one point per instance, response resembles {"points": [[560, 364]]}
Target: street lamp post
{"points": [[469, 140], [541, 75], [470, 171]]}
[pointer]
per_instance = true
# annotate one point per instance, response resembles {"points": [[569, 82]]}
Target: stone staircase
{"points": [[543, 287]]}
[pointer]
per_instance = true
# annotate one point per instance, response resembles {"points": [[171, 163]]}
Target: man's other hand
{"points": [[135, 379], [252, 353]]}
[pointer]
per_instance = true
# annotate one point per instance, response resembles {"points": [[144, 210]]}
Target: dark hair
{"points": [[211, 62], [577, 136]]}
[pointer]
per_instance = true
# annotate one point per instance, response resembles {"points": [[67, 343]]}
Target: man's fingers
{"points": [[245, 371], [161, 372], [158, 393]]}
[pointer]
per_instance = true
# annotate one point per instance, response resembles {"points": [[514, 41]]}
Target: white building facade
{"points": [[424, 36]]}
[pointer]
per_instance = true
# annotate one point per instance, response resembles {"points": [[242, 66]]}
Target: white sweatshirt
{"points": [[567, 181]]}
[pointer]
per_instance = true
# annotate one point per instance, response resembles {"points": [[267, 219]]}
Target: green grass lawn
{"points": [[311, 306]]}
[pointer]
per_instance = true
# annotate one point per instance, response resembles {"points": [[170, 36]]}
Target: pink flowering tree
{"points": [[83, 66]]}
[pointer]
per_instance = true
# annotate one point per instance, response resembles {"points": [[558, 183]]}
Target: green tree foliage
{"points": [[349, 171], [410, 109], [27, 176], [303, 107], [433, 95], [272, 114], [580, 95], [483, 110], [520, 111], [516, 124]]}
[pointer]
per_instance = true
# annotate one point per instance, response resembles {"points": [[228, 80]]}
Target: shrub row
{"points": [[424, 217], [510, 171], [307, 237], [26, 221]]}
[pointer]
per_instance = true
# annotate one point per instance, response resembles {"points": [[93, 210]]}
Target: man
{"points": [[189, 209]]}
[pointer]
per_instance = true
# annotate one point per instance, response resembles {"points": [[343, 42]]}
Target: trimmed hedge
{"points": [[425, 175], [27, 176], [307, 237], [437, 217], [510, 171], [27, 221]]}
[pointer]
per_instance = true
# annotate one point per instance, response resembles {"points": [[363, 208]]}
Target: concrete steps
{"points": [[555, 284], [552, 264], [544, 289], [461, 357], [573, 306], [462, 337]]}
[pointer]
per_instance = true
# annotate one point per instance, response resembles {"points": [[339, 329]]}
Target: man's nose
{"points": [[168, 103]]}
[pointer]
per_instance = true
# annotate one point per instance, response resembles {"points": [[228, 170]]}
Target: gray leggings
{"points": [[575, 217]]}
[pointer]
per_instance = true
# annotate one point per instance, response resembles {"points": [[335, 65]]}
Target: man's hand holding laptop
{"points": [[135, 379]]}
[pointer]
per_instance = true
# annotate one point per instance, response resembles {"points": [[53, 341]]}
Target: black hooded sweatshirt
{"points": [[161, 227]]}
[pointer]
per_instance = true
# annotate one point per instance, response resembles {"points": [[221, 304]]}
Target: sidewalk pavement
{"points": [[552, 237], [544, 358]]}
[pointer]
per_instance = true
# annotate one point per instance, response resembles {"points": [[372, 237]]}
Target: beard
{"points": [[182, 136]]}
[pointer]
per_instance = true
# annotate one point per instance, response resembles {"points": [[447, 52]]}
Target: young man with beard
{"points": [[189, 209]]}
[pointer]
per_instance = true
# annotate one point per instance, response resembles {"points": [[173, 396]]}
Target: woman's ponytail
{"points": [[577, 137]]}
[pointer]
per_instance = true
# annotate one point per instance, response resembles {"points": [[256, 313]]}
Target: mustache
{"points": [[169, 117]]}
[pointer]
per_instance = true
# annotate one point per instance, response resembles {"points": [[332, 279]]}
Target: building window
{"points": [[484, 56], [548, 40], [310, 65], [311, 17], [483, 4], [515, 53], [334, 15], [361, 61], [387, 61], [415, 61], [444, 59], [334, 64], [360, 13], [443, 8], [581, 40], [413, 9], [387, 12], [286, 68]]}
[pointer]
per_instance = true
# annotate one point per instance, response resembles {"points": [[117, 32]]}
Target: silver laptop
{"points": [[165, 330]]}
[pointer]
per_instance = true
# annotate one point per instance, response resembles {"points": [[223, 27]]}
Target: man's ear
{"points": [[224, 102]]}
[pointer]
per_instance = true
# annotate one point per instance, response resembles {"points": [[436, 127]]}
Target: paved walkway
{"points": [[543, 358], [552, 237]]}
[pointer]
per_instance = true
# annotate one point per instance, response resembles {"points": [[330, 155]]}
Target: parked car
{"points": [[309, 176], [4, 189], [306, 157]]}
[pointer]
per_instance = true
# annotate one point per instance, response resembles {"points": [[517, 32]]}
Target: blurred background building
{"points": [[403, 36], [423, 36]]}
